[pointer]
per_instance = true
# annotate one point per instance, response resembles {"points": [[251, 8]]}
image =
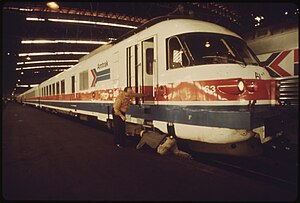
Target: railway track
{"points": [[277, 167]]}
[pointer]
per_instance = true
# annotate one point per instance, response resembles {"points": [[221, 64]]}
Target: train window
{"points": [[209, 48], [62, 88], [149, 61], [83, 80], [57, 88], [73, 83], [177, 57], [53, 88]]}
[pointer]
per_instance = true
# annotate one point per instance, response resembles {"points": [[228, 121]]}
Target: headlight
{"points": [[241, 86]]}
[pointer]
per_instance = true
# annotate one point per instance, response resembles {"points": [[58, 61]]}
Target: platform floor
{"points": [[48, 157]]}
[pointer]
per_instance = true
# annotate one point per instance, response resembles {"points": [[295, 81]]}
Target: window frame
{"points": [[168, 53]]}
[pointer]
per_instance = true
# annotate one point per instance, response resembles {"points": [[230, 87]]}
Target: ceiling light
{"points": [[22, 85], [25, 9], [52, 53], [207, 44], [49, 61], [82, 22], [38, 67], [53, 5], [61, 41], [91, 22], [35, 19]]}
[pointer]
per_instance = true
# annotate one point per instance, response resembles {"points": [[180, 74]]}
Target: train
{"points": [[277, 48], [205, 86]]}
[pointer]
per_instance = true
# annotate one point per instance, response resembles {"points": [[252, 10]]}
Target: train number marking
{"points": [[210, 89]]}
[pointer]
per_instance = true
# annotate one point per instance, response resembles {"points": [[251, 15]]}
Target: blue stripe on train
{"points": [[236, 117]]}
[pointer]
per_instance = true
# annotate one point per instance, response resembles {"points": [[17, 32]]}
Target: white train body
{"points": [[206, 101]]}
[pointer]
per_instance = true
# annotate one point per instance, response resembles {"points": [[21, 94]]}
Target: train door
{"points": [[141, 67], [133, 67], [148, 68]]}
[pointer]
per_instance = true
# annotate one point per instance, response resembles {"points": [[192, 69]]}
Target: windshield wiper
{"points": [[226, 58], [234, 60]]}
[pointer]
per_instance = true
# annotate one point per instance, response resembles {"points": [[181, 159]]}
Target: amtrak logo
{"points": [[100, 76], [281, 64]]}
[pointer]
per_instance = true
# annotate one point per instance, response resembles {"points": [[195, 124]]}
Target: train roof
{"points": [[154, 21], [144, 26], [96, 51]]}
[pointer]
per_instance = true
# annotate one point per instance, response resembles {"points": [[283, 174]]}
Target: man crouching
{"points": [[161, 143]]}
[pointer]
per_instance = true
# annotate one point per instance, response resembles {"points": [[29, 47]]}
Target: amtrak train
{"points": [[205, 86], [277, 48]]}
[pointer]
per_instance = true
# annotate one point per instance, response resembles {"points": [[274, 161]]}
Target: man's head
{"points": [[128, 90]]}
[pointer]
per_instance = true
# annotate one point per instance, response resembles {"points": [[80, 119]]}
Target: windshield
{"points": [[208, 48]]}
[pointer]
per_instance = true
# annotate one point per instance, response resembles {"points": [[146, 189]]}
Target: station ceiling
{"points": [[77, 28]]}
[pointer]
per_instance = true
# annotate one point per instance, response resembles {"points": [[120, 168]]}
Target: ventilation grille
{"points": [[288, 90]]}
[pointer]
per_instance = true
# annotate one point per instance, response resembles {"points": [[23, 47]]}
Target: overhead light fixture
{"points": [[53, 5], [38, 67], [82, 22], [49, 61], [207, 44], [33, 85], [28, 58], [61, 41], [25, 9], [259, 18], [52, 53], [91, 22], [35, 19]]}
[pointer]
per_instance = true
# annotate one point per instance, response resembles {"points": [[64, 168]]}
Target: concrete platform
{"points": [[48, 157]]}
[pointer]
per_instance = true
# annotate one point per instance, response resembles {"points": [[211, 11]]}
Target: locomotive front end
{"points": [[225, 95]]}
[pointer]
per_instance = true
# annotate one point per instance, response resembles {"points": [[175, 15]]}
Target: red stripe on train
{"points": [[296, 56], [214, 90]]}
